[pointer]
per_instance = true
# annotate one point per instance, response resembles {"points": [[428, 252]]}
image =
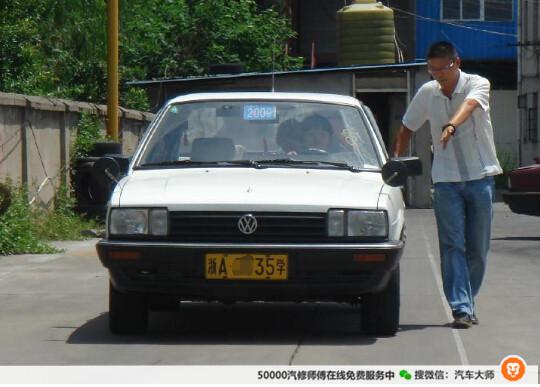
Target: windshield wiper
{"points": [[309, 162], [249, 163], [341, 165], [172, 162]]}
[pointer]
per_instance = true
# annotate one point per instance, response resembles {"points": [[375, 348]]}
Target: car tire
{"points": [[380, 311], [128, 313]]}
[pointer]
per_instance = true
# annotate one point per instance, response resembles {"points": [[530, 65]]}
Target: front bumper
{"points": [[527, 203], [316, 271]]}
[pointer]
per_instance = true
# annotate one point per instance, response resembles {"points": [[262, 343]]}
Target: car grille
{"points": [[223, 227]]}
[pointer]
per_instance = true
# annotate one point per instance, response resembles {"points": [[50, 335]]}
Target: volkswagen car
{"points": [[235, 197]]}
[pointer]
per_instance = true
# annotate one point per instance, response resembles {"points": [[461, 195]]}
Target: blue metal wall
{"points": [[472, 44]]}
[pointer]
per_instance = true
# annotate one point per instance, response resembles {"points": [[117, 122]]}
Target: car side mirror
{"points": [[396, 170], [106, 172]]}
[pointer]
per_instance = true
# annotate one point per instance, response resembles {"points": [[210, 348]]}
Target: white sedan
{"points": [[255, 197]]}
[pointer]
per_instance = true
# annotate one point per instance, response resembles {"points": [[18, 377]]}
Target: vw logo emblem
{"points": [[247, 224]]}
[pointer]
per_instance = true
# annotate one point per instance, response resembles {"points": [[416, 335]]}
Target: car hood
{"points": [[241, 189]]}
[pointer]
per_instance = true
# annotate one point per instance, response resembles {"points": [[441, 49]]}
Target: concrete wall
{"points": [[36, 135], [505, 123]]}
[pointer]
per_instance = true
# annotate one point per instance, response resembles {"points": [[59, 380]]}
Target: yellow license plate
{"points": [[246, 266]]}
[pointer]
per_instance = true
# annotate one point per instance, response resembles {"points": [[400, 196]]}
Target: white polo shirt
{"points": [[470, 153]]}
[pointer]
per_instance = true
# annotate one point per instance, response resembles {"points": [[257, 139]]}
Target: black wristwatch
{"points": [[452, 125]]}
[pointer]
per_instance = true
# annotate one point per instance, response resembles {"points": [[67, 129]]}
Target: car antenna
{"points": [[273, 65]]}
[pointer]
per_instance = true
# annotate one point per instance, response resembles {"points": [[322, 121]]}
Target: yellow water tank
{"points": [[365, 34]]}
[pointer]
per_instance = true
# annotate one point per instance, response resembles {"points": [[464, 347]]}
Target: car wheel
{"points": [[380, 311], [128, 313]]}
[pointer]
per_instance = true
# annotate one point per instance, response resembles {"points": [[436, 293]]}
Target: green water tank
{"points": [[365, 34]]}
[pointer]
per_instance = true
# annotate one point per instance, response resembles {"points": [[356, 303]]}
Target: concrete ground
{"points": [[53, 311]]}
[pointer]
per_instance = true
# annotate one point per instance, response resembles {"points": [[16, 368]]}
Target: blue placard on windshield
{"points": [[260, 112]]}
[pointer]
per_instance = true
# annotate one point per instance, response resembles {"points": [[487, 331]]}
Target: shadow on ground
{"points": [[242, 323], [516, 239]]}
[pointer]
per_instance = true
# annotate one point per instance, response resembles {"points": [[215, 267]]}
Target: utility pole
{"points": [[112, 69]]}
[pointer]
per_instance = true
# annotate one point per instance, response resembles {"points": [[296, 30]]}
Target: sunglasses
{"points": [[445, 68]]}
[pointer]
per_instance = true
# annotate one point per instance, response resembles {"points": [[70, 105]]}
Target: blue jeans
{"points": [[464, 212]]}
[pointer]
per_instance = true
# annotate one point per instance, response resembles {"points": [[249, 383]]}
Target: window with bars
{"points": [[483, 10]]}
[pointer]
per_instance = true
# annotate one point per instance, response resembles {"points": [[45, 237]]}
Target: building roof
{"points": [[397, 66]]}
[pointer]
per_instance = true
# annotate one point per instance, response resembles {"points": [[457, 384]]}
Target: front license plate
{"points": [[246, 266]]}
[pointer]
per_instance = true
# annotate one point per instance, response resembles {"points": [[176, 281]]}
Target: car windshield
{"points": [[262, 133]]}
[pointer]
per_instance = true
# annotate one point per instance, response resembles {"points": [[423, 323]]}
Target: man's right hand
{"points": [[447, 134], [403, 137]]}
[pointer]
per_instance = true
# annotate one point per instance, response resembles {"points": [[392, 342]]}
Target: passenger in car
{"points": [[317, 132], [290, 136]]}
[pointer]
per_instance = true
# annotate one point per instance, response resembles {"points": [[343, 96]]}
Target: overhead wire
{"points": [[453, 24]]}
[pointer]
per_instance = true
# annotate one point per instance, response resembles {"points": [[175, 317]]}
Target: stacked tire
{"points": [[365, 34]]}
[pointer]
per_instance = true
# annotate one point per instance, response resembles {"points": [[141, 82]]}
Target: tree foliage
{"points": [[58, 47], [53, 47]]}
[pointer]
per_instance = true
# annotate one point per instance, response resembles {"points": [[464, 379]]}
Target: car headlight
{"points": [[138, 221], [367, 223], [357, 223]]}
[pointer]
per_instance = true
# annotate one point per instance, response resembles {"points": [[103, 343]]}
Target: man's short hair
{"points": [[442, 49]]}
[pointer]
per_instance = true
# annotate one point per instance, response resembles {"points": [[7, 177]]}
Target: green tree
{"points": [[164, 38], [75, 47], [21, 61], [58, 47], [53, 47]]}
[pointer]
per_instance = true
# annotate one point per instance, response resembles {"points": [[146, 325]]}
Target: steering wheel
{"points": [[312, 151]]}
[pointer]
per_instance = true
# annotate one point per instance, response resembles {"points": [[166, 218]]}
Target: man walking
{"points": [[456, 104]]}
